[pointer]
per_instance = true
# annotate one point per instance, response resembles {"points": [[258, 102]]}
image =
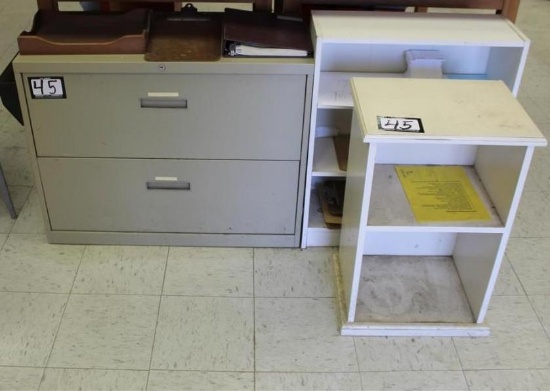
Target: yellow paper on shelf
{"points": [[441, 193]]}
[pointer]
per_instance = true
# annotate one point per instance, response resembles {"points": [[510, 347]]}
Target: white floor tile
{"points": [[293, 272], [266, 381], [205, 334], [209, 272], [517, 339], [301, 335], [530, 259], [535, 82], [509, 380], [8, 55], [4, 114], [93, 379], [19, 379], [121, 270], [28, 325], [414, 380], [533, 216], [541, 305], [106, 332], [539, 170], [533, 107], [29, 264], [30, 219], [16, 166], [508, 283], [195, 381], [12, 133], [22, 7], [13, 23], [406, 354], [19, 195]]}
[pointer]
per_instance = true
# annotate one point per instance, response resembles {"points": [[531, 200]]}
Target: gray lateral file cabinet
{"points": [[133, 152]]}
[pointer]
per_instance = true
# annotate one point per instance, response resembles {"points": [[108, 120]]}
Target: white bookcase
{"points": [[397, 276], [360, 44]]}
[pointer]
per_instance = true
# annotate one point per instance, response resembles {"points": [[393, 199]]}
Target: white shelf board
{"points": [[325, 163], [421, 28], [414, 330], [335, 88], [499, 119], [390, 210]]}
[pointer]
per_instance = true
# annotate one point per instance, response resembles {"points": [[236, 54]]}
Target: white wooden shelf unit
{"points": [[397, 276], [360, 44]]}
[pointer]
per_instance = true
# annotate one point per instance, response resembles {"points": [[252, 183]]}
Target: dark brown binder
{"points": [[265, 30]]}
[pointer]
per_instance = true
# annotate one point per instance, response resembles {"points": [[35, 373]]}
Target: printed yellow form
{"points": [[441, 193]]}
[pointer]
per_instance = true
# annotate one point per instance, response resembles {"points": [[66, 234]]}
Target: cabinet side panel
{"points": [[356, 205], [477, 260], [507, 64], [500, 169]]}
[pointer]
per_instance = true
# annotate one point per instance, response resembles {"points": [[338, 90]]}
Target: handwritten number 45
{"points": [[38, 84], [399, 124]]}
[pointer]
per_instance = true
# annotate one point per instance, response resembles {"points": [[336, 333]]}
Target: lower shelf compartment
{"points": [[411, 289], [408, 296], [318, 234]]}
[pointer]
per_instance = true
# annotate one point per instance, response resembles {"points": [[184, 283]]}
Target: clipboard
{"points": [[187, 35]]}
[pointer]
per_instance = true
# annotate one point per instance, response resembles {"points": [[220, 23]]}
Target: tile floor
{"points": [[159, 318]]}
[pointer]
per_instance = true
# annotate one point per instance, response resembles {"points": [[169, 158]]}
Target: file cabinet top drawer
{"points": [[219, 116], [135, 64]]}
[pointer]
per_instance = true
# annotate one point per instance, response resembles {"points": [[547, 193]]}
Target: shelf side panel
{"points": [[356, 206], [476, 258], [500, 169], [507, 64], [325, 162]]}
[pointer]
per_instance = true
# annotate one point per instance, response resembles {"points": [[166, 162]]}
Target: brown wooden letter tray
{"points": [[55, 32]]}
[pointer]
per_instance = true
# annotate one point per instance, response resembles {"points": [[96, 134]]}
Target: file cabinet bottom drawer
{"points": [[177, 196]]}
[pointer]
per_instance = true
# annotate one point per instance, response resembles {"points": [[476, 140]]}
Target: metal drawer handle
{"points": [[168, 185], [163, 103]]}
